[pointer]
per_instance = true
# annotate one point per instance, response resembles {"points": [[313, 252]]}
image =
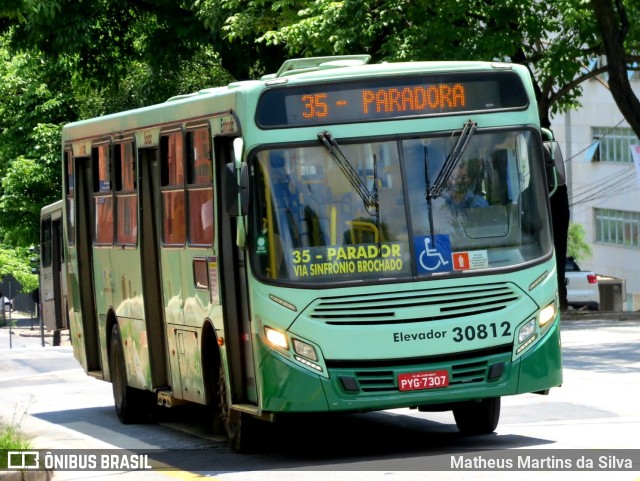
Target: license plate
{"points": [[416, 381]]}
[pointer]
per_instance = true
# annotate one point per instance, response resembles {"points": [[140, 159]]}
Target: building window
{"points": [[613, 144], [619, 227], [601, 61]]}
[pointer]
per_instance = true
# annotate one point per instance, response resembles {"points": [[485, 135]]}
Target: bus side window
{"points": [[69, 192], [103, 195], [45, 247], [126, 198], [199, 187], [172, 187]]}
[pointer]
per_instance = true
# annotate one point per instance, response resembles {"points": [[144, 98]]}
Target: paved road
{"points": [[596, 408]]}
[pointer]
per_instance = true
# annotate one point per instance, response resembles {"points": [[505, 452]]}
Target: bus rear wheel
{"points": [[132, 405], [240, 427], [478, 417]]}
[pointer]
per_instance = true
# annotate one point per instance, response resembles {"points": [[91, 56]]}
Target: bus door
{"points": [[183, 192], [57, 278], [196, 259], [52, 282], [79, 176], [234, 289], [150, 265]]}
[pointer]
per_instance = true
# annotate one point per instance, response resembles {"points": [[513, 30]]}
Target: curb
{"points": [[579, 315], [26, 475]]}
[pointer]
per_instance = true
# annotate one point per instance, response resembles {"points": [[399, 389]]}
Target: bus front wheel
{"points": [[240, 427], [477, 417], [132, 405]]}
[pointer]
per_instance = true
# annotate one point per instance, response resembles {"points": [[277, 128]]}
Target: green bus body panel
{"points": [[121, 291], [289, 388], [370, 356], [76, 328], [541, 368], [415, 329]]}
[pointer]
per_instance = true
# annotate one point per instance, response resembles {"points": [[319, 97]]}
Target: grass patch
{"points": [[11, 439]]}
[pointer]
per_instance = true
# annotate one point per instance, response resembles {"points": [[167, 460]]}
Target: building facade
{"points": [[604, 193]]}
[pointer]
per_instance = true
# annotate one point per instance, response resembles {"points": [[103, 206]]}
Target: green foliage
{"points": [[143, 85], [556, 40], [15, 261], [35, 99], [577, 247], [11, 438]]}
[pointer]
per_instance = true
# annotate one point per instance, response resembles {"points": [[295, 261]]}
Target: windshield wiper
{"points": [[468, 129], [369, 198], [427, 181]]}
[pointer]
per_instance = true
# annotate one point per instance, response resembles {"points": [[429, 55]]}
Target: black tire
{"points": [[132, 405], [240, 427], [478, 417]]}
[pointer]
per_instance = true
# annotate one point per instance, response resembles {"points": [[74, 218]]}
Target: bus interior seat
{"points": [[285, 200], [498, 192]]}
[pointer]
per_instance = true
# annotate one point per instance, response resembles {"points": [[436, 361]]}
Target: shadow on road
{"points": [[371, 441]]}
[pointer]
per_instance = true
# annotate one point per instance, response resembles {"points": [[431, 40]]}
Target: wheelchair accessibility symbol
{"points": [[433, 253]]}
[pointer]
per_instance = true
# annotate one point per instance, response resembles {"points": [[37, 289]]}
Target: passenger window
{"points": [[173, 195], [126, 196], [103, 195], [199, 188]]}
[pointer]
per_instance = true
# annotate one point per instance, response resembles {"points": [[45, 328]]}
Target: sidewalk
{"points": [[585, 315], [23, 326]]}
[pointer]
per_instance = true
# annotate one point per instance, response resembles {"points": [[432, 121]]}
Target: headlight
{"points": [[547, 314], [305, 350], [276, 338], [526, 331]]}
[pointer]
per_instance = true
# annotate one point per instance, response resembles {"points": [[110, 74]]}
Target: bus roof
{"points": [[190, 106], [51, 208]]}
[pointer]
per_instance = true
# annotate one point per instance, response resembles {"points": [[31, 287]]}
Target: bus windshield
{"points": [[343, 212]]}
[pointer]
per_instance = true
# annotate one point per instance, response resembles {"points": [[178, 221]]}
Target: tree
{"points": [[39, 95], [103, 37], [620, 36], [576, 246], [35, 98], [16, 262], [556, 39]]}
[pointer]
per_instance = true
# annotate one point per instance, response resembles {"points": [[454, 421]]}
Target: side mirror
{"points": [[238, 147], [554, 162], [236, 188]]}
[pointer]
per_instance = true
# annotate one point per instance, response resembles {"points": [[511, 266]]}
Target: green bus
{"points": [[52, 295], [337, 237]]}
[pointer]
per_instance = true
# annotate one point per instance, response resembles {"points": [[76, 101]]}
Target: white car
{"points": [[582, 287], [6, 303]]}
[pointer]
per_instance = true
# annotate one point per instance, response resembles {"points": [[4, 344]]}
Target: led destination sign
{"points": [[388, 98]]}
